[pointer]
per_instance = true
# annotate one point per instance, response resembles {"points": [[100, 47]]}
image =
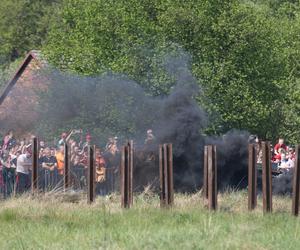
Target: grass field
{"points": [[57, 222]]}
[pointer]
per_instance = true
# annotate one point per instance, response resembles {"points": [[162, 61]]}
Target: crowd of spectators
{"points": [[282, 156], [16, 163]]}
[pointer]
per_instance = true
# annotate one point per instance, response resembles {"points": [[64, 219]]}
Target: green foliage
{"points": [[7, 73], [99, 36], [238, 52], [244, 54], [23, 27]]}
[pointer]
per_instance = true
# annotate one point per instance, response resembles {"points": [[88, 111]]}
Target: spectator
{"points": [[8, 175], [88, 140], [279, 145], [277, 157], [72, 144], [42, 144], [75, 153], [53, 151], [258, 148], [22, 146], [65, 137], [49, 165], [41, 153], [292, 153], [84, 158], [150, 137], [110, 142], [24, 165], [100, 166], [60, 158], [8, 141], [286, 161]]}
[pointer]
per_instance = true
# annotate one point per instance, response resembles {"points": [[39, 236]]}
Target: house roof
{"points": [[32, 55]]}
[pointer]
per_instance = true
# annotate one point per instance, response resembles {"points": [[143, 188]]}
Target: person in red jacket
{"points": [[279, 145]]}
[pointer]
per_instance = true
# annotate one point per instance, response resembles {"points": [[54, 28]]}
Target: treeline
{"points": [[24, 26], [244, 54]]}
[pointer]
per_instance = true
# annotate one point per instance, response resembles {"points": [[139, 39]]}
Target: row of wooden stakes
{"points": [[267, 179], [165, 174], [210, 190], [126, 173], [210, 178]]}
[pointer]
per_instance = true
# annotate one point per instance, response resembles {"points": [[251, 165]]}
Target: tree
{"points": [[23, 27], [237, 56], [7, 73]]}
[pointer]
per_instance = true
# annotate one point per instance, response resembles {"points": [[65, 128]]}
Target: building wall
{"points": [[19, 110]]}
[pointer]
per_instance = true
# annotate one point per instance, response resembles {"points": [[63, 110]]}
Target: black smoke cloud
{"points": [[282, 184], [232, 158], [114, 105]]}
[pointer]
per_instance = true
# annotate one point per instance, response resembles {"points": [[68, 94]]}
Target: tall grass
{"points": [[66, 221]]}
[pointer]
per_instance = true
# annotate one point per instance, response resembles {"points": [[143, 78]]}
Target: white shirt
{"points": [[24, 164]]}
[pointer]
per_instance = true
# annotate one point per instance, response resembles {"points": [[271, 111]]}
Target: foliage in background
{"points": [[244, 54], [241, 52], [23, 27], [7, 73]]}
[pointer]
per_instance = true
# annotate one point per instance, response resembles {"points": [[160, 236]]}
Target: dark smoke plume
{"points": [[113, 105], [232, 159], [283, 184]]}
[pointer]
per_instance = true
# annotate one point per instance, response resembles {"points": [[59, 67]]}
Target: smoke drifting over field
{"points": [[113, 105], [282, 184]]}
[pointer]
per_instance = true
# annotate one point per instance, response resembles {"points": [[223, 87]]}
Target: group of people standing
{"points": [[282, 156], [16, 163]]}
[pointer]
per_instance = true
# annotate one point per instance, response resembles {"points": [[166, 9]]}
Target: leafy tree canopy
{"points": [[244, 54], [23, 27], [241, 52]]}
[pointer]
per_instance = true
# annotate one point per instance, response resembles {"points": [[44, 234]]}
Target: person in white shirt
{"points": [[24, 165], [287, 162]]}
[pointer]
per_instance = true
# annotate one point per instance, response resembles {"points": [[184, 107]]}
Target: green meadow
{"points": [[65, 221]]}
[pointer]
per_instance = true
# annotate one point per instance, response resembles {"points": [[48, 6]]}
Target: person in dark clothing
{"points": [[48, 165], [112, 159], [8, 175]]}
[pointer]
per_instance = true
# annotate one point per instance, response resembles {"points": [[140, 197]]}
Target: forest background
{"points": [[245, 55]]}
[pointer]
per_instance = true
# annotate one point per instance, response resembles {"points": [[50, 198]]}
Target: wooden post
{"points": [[130, 172], [296, 183], [205, 174], [266, 177], [35, 164], [166, 175], [127, 175], [252, 177], [170, 174], [123, 179], [162, 177], [91, 175], [212, 178], [66, 168]]}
